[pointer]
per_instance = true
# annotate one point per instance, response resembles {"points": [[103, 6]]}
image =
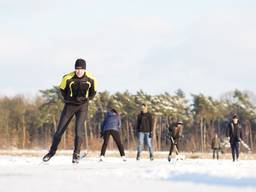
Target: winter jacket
{"points": [[144, 122], [234, 131], [112, 121], [216, 143], [175, 132], [76, 90]]}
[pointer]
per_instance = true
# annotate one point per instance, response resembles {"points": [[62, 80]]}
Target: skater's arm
{"points": [[103, 124], [119, 122], [63, 86], [93, 87], [228, 130], [64, 83], [241, 133], [151, 122], [138, 123], [181, 131]]}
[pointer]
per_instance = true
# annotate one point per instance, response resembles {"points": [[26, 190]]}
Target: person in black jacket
{"points": [[77, 88], [144, 131], [234, 132], [175, 135]]}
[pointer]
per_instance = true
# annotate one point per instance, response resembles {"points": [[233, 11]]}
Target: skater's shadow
{"points": [[213, 180]]}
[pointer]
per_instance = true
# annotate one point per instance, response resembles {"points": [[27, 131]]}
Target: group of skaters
{"points": [[79, 87], [234, 134]]}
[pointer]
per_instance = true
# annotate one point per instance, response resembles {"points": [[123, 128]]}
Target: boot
{"points": [[76, 158], [124, 159], [138, 156], [48, 156], [102, 158], [151, 157]]}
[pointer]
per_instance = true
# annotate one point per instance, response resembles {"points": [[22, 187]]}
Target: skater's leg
{"points": [[177, 148], [213, 153], [149, 144], [65, 118], [237, 150], [140, 144], [233, 150], [117, 139], [79, 130], [105, 143], [171, 148]]}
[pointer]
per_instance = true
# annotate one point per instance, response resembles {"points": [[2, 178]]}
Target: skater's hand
{"points": [[150, 135], [101, 134]]}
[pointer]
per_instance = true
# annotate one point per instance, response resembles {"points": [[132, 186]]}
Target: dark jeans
{"points": [[235, 149], [173, 145], [117, 139], [215, 152], [69, 111]]}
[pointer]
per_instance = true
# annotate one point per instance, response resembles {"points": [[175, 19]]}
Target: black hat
{"points": [[235, 116], [80, 64]]}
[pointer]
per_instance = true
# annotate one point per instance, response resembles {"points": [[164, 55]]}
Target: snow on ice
{"points": [[29, 174]]}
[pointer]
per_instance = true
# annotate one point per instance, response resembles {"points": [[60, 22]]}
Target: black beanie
{"points": [[80, 64]]}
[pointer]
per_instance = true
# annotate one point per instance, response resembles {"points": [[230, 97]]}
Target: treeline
{"points": [[26, 123]]}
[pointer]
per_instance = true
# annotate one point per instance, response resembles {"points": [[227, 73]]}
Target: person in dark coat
{"points": [[216, 146], [111, 126], [175, 135], [144, 130], [235, 135]]}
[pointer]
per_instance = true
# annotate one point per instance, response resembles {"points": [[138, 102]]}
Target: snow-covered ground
{"points": [[29, 174]]}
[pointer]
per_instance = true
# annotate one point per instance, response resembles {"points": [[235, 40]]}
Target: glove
{"points": [[150, 135]]}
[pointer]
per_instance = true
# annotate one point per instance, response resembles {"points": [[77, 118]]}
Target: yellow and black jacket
{"points": [[78, 90]]}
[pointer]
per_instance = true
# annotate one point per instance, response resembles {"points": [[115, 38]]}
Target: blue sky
{"points": [[198, 46]]}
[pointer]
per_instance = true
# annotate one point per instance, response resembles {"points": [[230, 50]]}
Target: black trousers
{"points": [[173, 145], [235, 149], [215, 151], [117, 139], [69, 111]]}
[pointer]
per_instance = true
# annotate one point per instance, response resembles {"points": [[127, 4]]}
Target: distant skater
{"points": [[175, 135], [235, 134], [144, 130], [215, 146], [111, 126]]}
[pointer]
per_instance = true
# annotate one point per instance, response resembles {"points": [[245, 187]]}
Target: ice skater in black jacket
{"points": [[77, 88], [144, 130], [235, 134]]}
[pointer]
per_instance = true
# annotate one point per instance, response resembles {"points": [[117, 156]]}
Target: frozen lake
{"points": [[29, 174]]}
